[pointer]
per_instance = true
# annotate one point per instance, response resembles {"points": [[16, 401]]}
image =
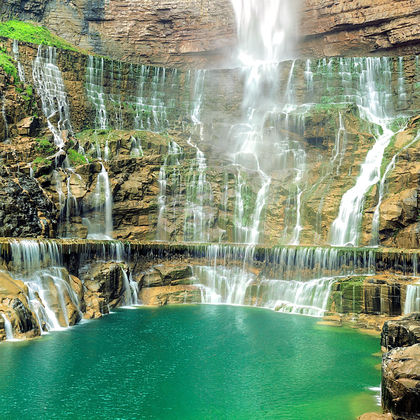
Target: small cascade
{"points": [[199, 212], [402, 94], [309, 77], [50, 87], [21, 71], [374, 103], [412, 299], [389, 168], [8, 328], [169, 185], [39, 265], [340, 144], [95, 89], [292, 279], [136, 149], [4, 117], [100, 226], [131, 290], [304, 298]]}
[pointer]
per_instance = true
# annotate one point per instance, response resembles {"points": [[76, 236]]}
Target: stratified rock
{"points": [[401, 382], [401, 333], [202, 32]]}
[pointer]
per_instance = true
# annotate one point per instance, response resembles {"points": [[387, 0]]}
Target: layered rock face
{"points": [[198, 33], [335, 141]]}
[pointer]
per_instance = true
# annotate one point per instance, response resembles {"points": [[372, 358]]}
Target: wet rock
{"points": [[167, 274], [104, 288], [401, 333], [401, 382], [170, 295], [14, 305]]}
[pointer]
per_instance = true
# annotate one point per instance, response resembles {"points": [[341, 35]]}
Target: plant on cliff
{"points": [[6, 63], [76, 158], [44, 146], [35, 34]]}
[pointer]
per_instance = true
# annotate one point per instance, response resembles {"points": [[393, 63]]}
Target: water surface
{"points": [[191, 362]]}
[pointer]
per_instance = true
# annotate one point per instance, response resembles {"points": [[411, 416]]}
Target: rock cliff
{"points": [[198, 33]]}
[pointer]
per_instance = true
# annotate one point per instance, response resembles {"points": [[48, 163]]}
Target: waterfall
{"points": [[95, 89], [388, 169], [50, 87], [39, 265], [21, 71], [3, 114], [292, 279], [199, 210], [412, 299], [8, 328], [169, 177], [266, 35], [373, 100], [136, 149], [100, 226]]}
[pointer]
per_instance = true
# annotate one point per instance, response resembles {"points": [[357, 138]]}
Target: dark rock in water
{"points": [[401, 382], [401, 333], [104, 288]]}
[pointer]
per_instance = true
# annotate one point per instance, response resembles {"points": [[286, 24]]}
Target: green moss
{"points": [[6, 63], [76, 158], [28, 32], [40, 161], [44, 146], [398, 124]]}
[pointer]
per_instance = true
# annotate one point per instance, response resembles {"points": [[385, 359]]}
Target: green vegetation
{"points": [[76, 158], [44, 146], [40, 161], [398, 124], [28, 32], [6, 63]]}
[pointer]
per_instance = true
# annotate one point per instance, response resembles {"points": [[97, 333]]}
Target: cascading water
{"points": [[412, 300], [38, 265], [50, 87], [266, 35], [388, 169], [21, 71], [95, 89], [373, 100], [199, 212], [8, 328], [100, 226], [169, 177], [3, 114], [294, 280]]}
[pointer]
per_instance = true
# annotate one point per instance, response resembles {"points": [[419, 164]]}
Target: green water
{"points": [[191, 362]]}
